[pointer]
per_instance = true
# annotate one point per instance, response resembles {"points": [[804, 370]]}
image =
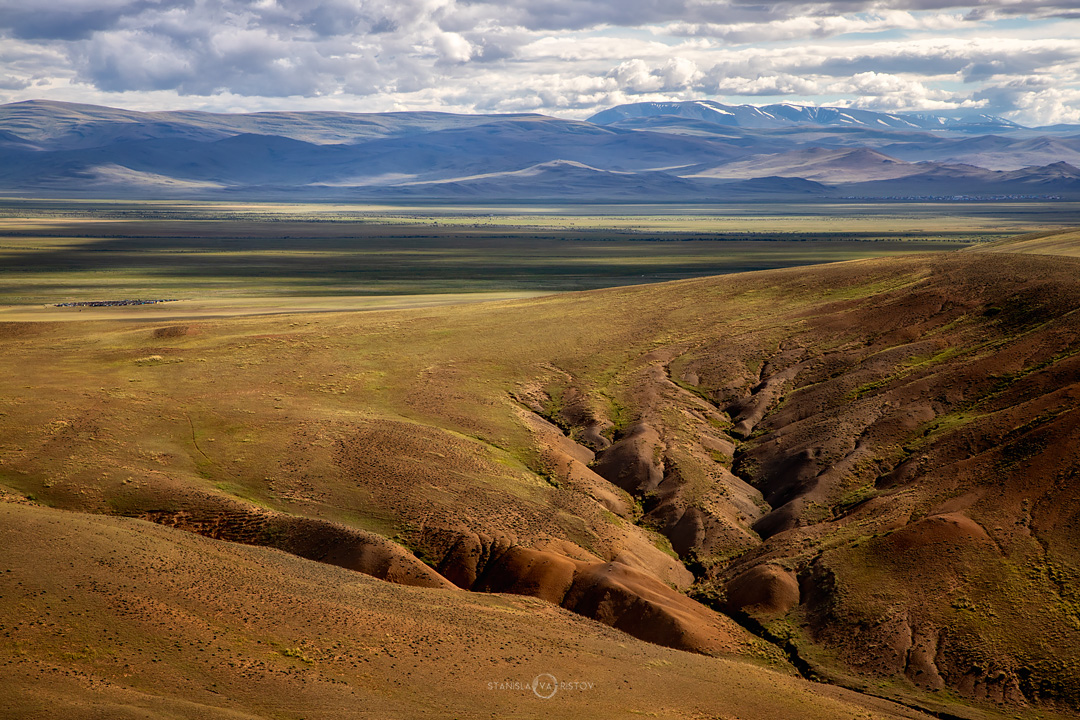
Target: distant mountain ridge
{"points": [[787, 115], [689, 151], [61, 125]]}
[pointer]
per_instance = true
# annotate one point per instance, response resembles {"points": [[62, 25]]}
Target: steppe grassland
{"points": [[250, 383], [228, 382], [56, 251], [226, 401], [98, 412], [1047, 243]]}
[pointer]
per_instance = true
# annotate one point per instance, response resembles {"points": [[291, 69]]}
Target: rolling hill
{"points": [[862, 472], [1056, 180], [62, 149], [993, 152], [158, 623], [69, 126], [820, 164]]}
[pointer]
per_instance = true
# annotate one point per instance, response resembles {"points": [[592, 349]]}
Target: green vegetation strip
{"points": [[55, 252]]}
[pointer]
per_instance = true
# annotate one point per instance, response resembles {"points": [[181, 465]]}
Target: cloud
{"points": [[453, 47], [1048, 106], [548, 15], [75, 19], [569, 56], [72, 19], [808, 26], [767, 85], [944, 56], [1032, 100], [268, 49], [882, 91], [9, 82], [635, 76]]}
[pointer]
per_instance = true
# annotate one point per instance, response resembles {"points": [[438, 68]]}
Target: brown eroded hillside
{"points": [[115, 618], [866, 469]]}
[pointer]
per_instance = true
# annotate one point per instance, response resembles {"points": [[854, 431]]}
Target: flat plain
{"points": [[52, 252]]}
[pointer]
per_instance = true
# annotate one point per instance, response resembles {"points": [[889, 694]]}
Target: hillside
{"points": [[156, 623], [69, 126], [668, 152], [1062, 244], [864, 471], [1059, 180], [820, 164]]}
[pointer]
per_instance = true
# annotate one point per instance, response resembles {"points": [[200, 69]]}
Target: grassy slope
{"points": [[105, 617], [1063, 244], [403, 422]]}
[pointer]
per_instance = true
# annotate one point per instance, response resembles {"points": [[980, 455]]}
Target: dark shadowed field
{"points": [[52, 251]]}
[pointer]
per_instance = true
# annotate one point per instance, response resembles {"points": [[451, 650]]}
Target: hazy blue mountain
{"points": [[505, 144], [1059, 129], [963, 122], [69, 125], [753, 116], [237, 159], [1055, 180], [701, 152], [9, 140], [565, 180], [991, 151], [827, 165], [775, 139], [515, 144], [787, 115]]}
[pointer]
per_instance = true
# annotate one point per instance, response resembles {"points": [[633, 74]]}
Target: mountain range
{"points": [[699, 151]]}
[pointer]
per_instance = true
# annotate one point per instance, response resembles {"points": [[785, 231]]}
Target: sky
{"points": [[567, 58]]}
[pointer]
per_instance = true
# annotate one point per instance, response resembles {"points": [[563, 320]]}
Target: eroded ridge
{"points": [[917, 450]]}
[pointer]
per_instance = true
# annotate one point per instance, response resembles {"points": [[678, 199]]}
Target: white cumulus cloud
{"points": [[561, 56]]}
